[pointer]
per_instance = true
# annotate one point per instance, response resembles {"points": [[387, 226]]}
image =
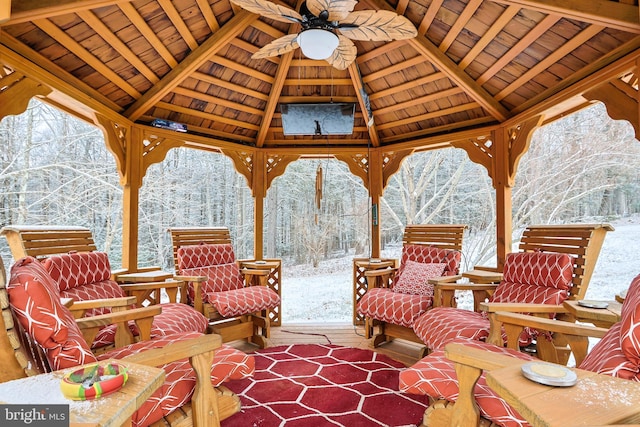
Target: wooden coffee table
{"points": [[596, 400]]}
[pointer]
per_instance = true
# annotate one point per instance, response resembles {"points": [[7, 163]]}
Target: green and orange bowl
{"points": [[112, 376]]}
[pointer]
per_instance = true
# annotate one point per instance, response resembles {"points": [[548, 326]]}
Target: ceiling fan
{"points": [[328, 26]]}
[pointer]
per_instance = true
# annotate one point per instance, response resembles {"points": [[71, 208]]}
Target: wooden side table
{"points": [[274, 266], [596, 400], [112, 410], [360, 266], [601, 317]]}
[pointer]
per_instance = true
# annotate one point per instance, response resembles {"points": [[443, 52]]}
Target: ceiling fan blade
{"points": [[377, 25], [269, 10], [277, 47], [338, 9], [344, 54]]}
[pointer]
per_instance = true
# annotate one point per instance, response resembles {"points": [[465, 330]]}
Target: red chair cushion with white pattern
{"points": [[393, 307], [224, 288], [435, 376], [529, 277], [36, 302], [228, 364], [430, 254], [244, 301], [74, 273], [415, 278], [618, 352]]}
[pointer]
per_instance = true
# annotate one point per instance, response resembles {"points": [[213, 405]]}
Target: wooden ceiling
{"points": [[475, 65]]}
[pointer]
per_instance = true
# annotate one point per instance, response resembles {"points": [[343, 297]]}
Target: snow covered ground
{"points": [[325, 294]]}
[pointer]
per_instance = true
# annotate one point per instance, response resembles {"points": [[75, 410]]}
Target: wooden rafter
{"points": [[427, 116], [209, 16], [207, 116], [460, 23], [217, 101], [363, 101], [178, 23], [229, 85], [191, 63], [408, 85], [620, 15], [421, 100], [28, 10]]}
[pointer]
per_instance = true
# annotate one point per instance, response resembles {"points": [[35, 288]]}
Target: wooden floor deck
{"points": [[338, 334]]}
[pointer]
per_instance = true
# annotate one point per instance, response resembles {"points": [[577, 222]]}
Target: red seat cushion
{"points": [[435, 376], [244, 301], [393, 307], [529, 277]]}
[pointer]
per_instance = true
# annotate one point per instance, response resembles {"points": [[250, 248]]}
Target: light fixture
{"points": [[317, 44]]}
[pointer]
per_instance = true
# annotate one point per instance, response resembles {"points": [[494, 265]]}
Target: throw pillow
{"points": [[415, 278]]}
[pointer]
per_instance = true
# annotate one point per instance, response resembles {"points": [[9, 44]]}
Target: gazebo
{"points": [[480, 75]]}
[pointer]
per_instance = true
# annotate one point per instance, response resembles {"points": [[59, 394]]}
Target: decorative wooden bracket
{"points": [[116, 136], [244, 162], [519, 142], [156, 145], [358, 164], [18, 91], [480, 150], [621, 98]]}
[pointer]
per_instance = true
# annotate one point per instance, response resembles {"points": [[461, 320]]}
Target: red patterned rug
{"points": [[315, 385]]}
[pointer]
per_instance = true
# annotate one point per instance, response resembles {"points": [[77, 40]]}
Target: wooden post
{"points": [[131, 183], [5, 10], [375, 192], [259, 190], [504, 216]]}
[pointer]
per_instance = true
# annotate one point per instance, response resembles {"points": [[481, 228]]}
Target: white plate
{"points": [[375, 260], [593, 304], [549, 374], [260, 262]]}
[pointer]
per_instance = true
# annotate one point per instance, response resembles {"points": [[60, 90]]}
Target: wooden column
{"points": [[375, 192], [259, 190], [504, 217], [131, 183]]}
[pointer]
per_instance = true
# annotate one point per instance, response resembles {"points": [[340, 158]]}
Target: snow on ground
{"points": [[325, 294]]}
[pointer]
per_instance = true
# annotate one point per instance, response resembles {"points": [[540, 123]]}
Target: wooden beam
{"points": [[191, 63], [30, 10], [606, 13], [5, 10], [363, 101]]}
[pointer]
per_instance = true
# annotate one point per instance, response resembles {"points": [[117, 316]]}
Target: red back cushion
{"points": [[535, 277], [35, 300], [216, 262], [431, 254], [415, 278], [630, 337], [78, 269]]}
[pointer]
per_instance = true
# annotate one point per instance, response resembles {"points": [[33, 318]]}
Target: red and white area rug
{"points": [[316, 385]]}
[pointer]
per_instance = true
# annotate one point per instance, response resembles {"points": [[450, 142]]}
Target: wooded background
{"points": [[56, 170]]}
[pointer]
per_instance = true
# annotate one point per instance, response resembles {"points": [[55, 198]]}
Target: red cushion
{"points": [[441, 325], [243, 301], [435, 376], [36, 302], [431, 254], [393, 307], [630, 339], [415, 278], [78, 269], [203, 255]]}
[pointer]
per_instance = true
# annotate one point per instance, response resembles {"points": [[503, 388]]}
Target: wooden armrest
{"points": [[484, 268], [143, 317], [151, 285], [380, 272], [254, 272], [445, 279], [177, 350], [521, 307], [481, 359], [191, 278], [546, 324], [467, 286], [103, 302], [79, 308]]}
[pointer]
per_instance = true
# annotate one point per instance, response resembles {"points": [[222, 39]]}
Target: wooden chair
{"points": [[193, 360], [239, 297], [84, 274], [395, 297], [545, 251], [454, 377], [42, 242]]}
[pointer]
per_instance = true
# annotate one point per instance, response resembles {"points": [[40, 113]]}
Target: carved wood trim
{"points": [[18, 91]]}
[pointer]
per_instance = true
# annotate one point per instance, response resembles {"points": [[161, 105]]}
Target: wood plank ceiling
{"points": [[474, 64]]}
